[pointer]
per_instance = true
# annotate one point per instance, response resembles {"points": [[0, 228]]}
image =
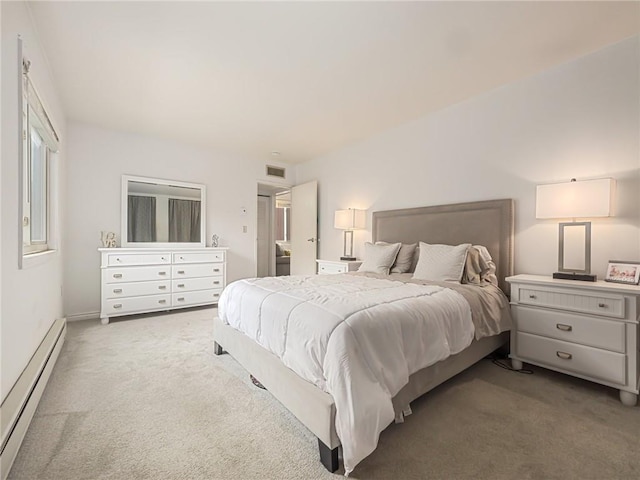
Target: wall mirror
{"points": [[156, 212]]}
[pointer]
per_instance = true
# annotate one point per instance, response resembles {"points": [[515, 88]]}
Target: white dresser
{"points": [[140, 280], [585, 329]]}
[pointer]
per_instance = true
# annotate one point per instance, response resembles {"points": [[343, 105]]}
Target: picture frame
{"points": [[623, 272]]}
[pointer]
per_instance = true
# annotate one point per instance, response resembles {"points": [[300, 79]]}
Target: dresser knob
{"points": [[181, 285], [216, 294], [181, 299], [563, 327], [532, 296], [117, 305], [162, 273], [216, 282], [216, 269], [162, 301], [118, 260], [564, 355], [117, 275], [181, 258], [117, 290], [602, 305], [180, 272], [162, 287]]}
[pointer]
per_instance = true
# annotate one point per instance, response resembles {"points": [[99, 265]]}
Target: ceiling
{"points": [[302, 78]]}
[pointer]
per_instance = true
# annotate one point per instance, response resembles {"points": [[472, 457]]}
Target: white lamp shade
{"points": [[351, 219], [585, 199]]}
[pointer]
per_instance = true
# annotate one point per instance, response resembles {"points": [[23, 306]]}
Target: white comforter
{"points": [[356, 338]]}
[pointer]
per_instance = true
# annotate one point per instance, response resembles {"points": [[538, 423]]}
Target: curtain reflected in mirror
{"points": [[142, 219], [184, 220]]}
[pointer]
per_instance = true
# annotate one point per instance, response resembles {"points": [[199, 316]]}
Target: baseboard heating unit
{"points": [[19, 406]]}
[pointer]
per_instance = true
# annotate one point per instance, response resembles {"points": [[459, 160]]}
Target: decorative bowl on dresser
{"points": [[588, 330], [141, 280]]}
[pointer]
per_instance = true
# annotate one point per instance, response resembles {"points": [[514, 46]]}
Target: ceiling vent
{"points": [[279, 172]]}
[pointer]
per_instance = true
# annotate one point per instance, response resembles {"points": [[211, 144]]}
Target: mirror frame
{"points": [[159, 181]]}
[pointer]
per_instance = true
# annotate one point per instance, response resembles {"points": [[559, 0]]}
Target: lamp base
{"points": [[348, 259], [584, 277]]}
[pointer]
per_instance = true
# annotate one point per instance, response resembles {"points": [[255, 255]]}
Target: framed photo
{"points": [[623, 272]]}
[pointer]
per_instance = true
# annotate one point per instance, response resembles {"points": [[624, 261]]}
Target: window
{"points": [[39, 144]]}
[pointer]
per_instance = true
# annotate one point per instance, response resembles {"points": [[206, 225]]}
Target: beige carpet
{"points": [[145, 398]]}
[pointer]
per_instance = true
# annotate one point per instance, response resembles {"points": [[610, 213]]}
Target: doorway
{"points": [[273, 243]]}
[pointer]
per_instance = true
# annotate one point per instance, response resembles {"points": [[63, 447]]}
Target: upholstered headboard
{"points": [[489, 223]]}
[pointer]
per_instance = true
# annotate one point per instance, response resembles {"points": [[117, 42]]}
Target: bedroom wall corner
{"points": [[30, 298], [579, 119]]}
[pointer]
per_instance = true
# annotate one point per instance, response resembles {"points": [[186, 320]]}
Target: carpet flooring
{"points": [[145, 398]]}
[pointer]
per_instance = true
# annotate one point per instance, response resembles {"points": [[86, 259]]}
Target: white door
{"points": [[264, 236], [304, 228]]}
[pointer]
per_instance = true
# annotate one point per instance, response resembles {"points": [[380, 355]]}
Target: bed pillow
{"points": [[441, 263], [404, 260], [379, 258], [488, 275]]}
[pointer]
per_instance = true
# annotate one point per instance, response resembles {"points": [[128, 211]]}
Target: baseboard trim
{"points": [[83, 316], [19, 406]]}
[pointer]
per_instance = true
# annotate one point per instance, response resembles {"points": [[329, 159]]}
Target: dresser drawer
{"points": [[595, 332], [575, 301], [199, 297], [136, 274], [139, 259], [195, 270], [119, 306], [201, 283], [119, 290], [208, 257], [580, 359]]}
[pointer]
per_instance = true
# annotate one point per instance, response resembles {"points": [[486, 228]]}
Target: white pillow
{"points": [[379, 258], [441, 263]]}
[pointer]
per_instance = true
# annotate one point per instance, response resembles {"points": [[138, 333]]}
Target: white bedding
{"points": [[355, 337]]}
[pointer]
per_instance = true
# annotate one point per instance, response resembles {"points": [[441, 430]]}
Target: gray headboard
{"points": [[489, 223]]}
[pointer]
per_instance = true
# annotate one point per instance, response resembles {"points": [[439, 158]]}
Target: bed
{"points": [[488, 223]]}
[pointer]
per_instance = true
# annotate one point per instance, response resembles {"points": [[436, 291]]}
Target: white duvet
{"points": [[354, 337]]}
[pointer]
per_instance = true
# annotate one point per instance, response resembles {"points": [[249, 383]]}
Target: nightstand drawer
{"points": [[330, 268], [576, 301], [594, 332], [580, 359]]}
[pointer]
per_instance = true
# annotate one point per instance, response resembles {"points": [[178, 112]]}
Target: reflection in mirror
{"points": [[575, 250], [159, 211]]}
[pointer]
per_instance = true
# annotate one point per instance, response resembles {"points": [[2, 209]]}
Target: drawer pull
{"points": [[603, 305], [118, 260], [162, 301], [180, 272], [216, 294], [117, 305], [216, 269], [563, 327], [181, 285], [162, 287], [162, 273], [117, 290], [117, 275], [533, 297], [162, 258], [564, 355], [216, 282], [181, 258], [181, 299]]}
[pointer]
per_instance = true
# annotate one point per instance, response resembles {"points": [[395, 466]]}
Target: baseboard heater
{"points": [[20, 404]]}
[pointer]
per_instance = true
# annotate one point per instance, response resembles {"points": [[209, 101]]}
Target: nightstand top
{"points": [[599, 285]]}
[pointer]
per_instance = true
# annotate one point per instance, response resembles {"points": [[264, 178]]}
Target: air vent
{"points": [[275, 171]]}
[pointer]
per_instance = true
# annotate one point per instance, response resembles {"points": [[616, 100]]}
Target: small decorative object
{"points": [[623, 272], [215, 240], [108, 239]]}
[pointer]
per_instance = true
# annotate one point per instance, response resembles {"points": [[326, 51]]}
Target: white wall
{"points": [[580, 119], [97, 158], [31, 299]]}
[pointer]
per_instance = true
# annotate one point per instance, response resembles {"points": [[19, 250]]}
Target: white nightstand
{"points": [[337, 266], [585, 329]]}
